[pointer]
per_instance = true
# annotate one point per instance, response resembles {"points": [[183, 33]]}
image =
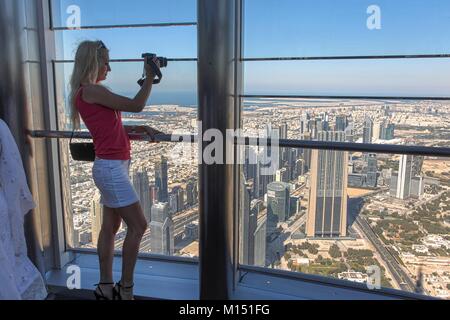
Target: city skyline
{"points": [[286, 244]]}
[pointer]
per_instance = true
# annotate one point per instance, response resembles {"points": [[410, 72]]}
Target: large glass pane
{"points": [[362, 217], [130, 43], [163, 181], [352, 27], [397, 78], [164, 177], [113, 12], [392, 122], [167, 189], [178, 87]]}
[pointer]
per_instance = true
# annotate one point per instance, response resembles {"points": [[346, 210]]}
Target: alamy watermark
{"points": [[74, 280], [73, 21], [215, 148], [373, 277], [374, 19]]}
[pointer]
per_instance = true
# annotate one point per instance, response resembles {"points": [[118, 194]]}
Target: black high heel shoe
{"points": [[101, 295], [117, 294]]}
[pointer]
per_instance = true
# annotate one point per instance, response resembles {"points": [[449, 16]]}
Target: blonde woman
{"points": [[101, 110]]}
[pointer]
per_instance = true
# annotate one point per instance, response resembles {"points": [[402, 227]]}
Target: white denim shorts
{"points": [[112, 179]]}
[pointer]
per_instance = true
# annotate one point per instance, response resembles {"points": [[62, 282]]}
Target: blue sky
{"points": [[282, 28]]}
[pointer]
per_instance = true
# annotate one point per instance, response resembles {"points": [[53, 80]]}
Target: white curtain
{"points": [[19, 278]]}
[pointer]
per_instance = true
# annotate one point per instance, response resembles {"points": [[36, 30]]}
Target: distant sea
{"points": [[185, 99], [190, 99]]}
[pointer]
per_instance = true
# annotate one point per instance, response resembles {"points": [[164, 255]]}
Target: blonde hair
{"points": [[89, 57]]}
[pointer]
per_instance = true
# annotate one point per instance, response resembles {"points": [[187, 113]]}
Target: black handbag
{"points": [[82, 151]]}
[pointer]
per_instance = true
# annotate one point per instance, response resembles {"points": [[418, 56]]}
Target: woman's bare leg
{"points": [[105, 248], [136, 226]]}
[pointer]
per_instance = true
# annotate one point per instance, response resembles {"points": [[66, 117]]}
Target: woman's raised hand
{"points": [[148, 69]]}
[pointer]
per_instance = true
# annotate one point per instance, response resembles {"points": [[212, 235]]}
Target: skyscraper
{"points": [[278, 194], [327, 209], [387, 131], [161, 230], [390, 131], [96, 217], [190, 193], [179, 196], [282, 175], [304, 118], [260, 241], [417, 165], [349, 131], [305, 154], [283, 135], [292, 156], [142, 186], [153, 194], [173, 203], [376, 134], [299, 168], [368, 130], [372, 169], [404, 177], [247, 225], [161, 180], [341, 123]]}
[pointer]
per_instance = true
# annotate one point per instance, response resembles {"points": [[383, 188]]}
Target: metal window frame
{"points": [[238, 107], [48, 51], [282, 143], [125, 26], [337, 97], [362, 57], [64, 254], [239, 268]]}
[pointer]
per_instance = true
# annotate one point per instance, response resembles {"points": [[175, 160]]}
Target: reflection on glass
{"points": [[167, 190], [340, 28], [380, 78], [112, 12], [178, 88], [345, 214], [130, 43]]}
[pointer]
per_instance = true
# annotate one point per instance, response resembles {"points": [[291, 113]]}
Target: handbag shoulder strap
{"points": [[71, 137], [73, 130]]}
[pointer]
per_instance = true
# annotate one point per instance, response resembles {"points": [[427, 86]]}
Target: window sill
{"points": [[169, 280]]}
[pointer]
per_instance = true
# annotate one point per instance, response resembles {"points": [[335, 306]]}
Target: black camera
{"points": [[150, 56], [149, 60]]}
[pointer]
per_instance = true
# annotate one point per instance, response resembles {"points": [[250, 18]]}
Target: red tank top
{"points": [[111, 142]]}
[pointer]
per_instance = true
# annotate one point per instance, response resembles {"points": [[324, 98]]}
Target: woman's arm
{"points": [[101, 95], [143, 129]]}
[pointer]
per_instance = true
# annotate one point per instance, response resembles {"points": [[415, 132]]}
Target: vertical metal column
{"points": [[217, 110]]}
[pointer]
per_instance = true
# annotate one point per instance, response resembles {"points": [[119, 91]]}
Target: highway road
{"points": [[401, 277]]}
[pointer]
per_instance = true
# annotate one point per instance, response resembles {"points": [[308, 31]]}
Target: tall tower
{"points": [[96, 217], [327, 209], [142, 186], [260, 240], [278, 195], [372, 178], [376, 133], [247, 225], [161, 180], [283, 151], [405, 171], [161, 230], [341, 123], [368, 130], [190, 193]]}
